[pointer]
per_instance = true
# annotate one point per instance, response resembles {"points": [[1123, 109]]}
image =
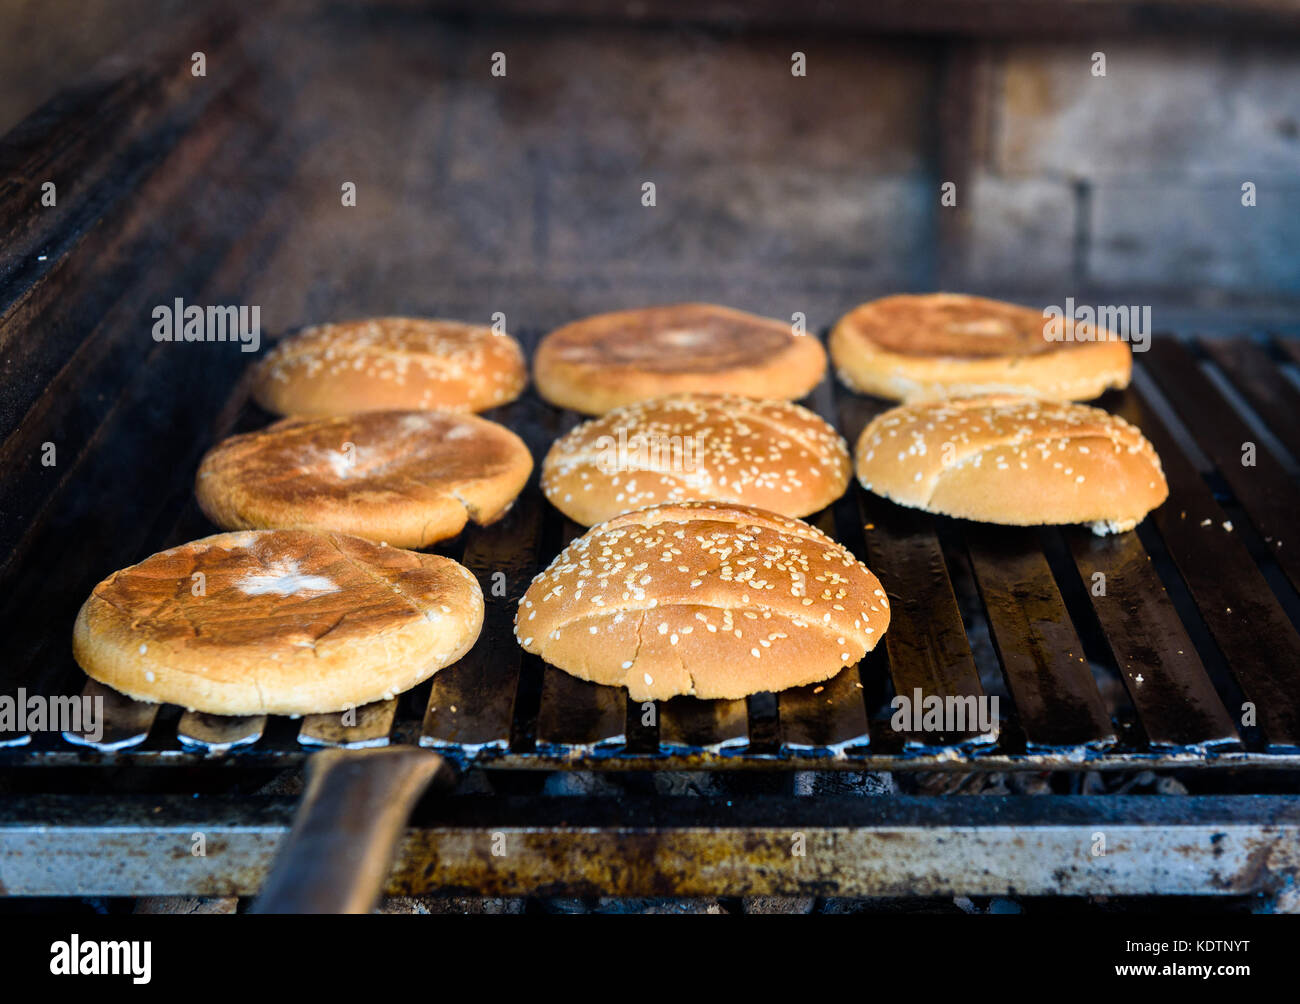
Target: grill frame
{"points": [[896, 846], [152, 147]]}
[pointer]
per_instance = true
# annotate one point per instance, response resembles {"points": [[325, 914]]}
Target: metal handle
{"points": [[345, 833]]}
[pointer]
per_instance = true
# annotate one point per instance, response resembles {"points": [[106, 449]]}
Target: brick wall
{"points": [[1133, 181]]}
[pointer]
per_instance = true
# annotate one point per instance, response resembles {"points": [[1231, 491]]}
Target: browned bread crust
{"points": [[772, 454], [390, 363], [609, 360], [289, 622], [1014, 460], [406, 478], [702, 598], [937, 345]]}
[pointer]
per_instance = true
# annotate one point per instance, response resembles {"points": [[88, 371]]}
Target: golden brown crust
{"points": [[702, 598], [938, 345], [288, 622], [388, 363], [1013, 460], [407, 478], [772, 454], [610, 360]]}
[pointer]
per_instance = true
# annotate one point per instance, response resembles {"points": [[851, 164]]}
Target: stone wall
{"points": [[774, 191], [1133, 181]]}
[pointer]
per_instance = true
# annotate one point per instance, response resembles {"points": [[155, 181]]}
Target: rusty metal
{"points": [[675, 846], [672, 759]]}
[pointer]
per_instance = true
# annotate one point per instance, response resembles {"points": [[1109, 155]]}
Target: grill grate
{"points": [[1195, 619]]}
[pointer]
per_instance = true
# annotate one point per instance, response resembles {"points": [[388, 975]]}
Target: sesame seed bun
{"points": [[407, 478], [388, 363], [1014, 460], [702, 598], [939, 345], [288, 622], [609, 360], [771, 454]]}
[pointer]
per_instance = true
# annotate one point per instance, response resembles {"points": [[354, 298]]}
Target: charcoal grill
{"points": [[1188, 660], [1194, 622]]}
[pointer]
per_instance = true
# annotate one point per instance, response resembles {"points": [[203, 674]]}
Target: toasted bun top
{"points": [[389, 362], [611, 359], [287, 594], [369, 459], [1011, 459], [706, 572], [277, 622], [954, 325], [773, 454], [679, 338]]}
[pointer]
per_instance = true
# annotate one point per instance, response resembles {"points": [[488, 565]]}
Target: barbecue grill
{"points": [[1173, 648]]}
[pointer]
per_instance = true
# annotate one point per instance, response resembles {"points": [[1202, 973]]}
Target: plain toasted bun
{"points": [[285, 622], [702, 598], [389, 363], [939, 345], [406, 478], [704, 447], [609, 360], [1014, 460]]}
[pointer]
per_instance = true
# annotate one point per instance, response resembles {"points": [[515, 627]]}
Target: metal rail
{"points": [[676, 846]]}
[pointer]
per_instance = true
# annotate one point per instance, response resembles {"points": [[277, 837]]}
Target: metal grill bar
{"points": [[1247, 622], [1268, 495], [579, 717], [926, 645], [826, 717], [1042, 657], [1175, 700], [687, 725], [1257, 375]]}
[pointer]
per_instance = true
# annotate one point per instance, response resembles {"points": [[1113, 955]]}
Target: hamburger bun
{"points": [[771, 454], [938, 345], [406, 478], [702, 598], [1013, 460], [610, 360], [390, 363], [287, 622]]}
